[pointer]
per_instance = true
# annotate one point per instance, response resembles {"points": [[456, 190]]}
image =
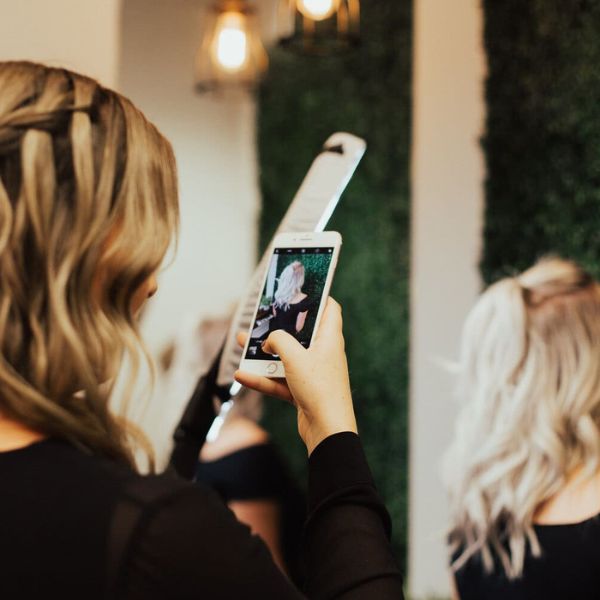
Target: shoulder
{"points": [[575, 502], [299, 299], [57, 465], [304, 303], [235, 435]]}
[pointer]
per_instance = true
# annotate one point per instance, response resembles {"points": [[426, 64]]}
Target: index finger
{"points": [[264, 385]]}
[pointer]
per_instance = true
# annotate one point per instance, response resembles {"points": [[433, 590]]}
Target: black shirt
{"points": [[568, 568], [285, 318], [58, 508]]}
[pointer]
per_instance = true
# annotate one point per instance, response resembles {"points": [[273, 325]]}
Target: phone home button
{"points": [[271, 368]]}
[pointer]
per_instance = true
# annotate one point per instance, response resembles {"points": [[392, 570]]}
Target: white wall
{"points": [[214, 142], [447, 199], [213, 138], [80, 35]]}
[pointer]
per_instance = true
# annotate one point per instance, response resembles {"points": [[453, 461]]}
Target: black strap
{"points": [[140, 500]]}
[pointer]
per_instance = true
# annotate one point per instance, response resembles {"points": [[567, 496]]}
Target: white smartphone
{"points": [[294, 291]]}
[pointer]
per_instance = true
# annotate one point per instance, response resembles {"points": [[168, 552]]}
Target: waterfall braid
{"points": [[88, 206], [531, 386]]}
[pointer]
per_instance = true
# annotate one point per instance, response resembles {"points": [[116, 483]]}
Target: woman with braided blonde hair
{"points": [[523, 471], [83, 228], [88, 208]]}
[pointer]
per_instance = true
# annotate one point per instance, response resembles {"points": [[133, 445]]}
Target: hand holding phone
{"points": [[294, 291], [317, 380]]}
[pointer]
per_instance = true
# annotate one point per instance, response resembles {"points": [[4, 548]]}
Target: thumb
{"points": [[330, 328], [283, 344]]}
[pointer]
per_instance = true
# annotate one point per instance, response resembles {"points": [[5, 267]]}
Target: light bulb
{"points": [[231, 41], [317, 10]]}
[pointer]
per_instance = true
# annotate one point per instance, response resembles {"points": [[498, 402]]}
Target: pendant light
{"points": [[231, 54], [319, 26]]}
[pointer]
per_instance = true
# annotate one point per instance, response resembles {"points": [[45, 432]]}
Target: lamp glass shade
{"points": [[317, 10], [319, 26], [231, 53], [230, 42]]}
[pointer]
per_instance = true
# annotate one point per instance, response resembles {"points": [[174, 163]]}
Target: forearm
{"points": [[347, 522]]}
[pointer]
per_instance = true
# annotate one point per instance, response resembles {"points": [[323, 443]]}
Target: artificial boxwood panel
{"points": [[366, 92], [542, 141]]}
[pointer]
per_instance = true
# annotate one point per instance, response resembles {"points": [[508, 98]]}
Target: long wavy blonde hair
{"points": [[289, 284], [88, 207], [530, 382]]}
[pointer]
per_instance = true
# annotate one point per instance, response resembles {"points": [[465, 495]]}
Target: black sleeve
{"points": [[347, 551], [193, 546]]}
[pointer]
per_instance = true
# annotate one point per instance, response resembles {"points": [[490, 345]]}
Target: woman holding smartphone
{"points": [[88, 207]]}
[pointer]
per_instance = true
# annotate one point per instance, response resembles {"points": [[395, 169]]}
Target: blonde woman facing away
{"points": [[88, 207], [523, 471], [291, 304]]}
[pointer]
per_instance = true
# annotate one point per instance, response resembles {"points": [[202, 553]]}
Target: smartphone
{"points": [[294, 292]]}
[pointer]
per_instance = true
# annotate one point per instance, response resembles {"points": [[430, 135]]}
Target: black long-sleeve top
{"points": [[73, 525]]}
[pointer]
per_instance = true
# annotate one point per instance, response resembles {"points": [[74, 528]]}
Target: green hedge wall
{"points": [[367, 92], [542, 142]]}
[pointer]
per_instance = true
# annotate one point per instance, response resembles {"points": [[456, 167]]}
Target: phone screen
{"points": [[291, 297]]}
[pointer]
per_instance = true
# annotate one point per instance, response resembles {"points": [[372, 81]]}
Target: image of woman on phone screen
{"points": [[290, 305]]}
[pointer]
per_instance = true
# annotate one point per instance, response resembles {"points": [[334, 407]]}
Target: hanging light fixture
{"points": [[231, 53], [317, 10], [319, 26]]}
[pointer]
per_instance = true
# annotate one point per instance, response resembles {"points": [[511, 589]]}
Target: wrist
{"points": [[317, 434]]}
